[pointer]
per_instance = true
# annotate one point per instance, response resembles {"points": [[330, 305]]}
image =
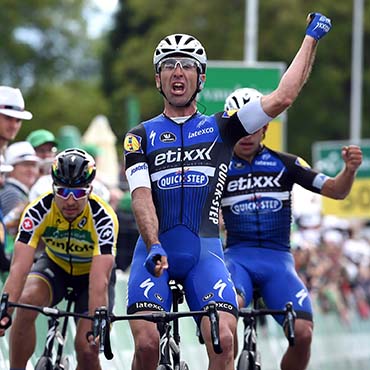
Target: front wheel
{"points": [[243, 362], [44, 363], [64, 364], [248, 361], [183, 366]]}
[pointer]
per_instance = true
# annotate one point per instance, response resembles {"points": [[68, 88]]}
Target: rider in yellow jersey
{"points": [[79, 231]]}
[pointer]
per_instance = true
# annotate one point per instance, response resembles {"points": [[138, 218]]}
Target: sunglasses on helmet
{"points": [[77, 193], [169, 64]]}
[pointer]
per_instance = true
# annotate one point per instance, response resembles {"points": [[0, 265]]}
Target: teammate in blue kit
{"points": [[256, 209], [176, 166]]}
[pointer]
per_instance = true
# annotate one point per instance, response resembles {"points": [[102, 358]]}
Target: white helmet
{"points": [[240, 97], [180, 44]]}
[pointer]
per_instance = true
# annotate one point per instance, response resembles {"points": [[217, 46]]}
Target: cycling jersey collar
{"points": [[181, 120]]}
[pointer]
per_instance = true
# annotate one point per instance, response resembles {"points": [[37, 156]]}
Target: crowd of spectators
{"points": [[332, 256]]}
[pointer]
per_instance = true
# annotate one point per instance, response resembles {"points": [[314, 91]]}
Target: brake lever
{"points": [[4, 311], [214, 321], [288, 324]]}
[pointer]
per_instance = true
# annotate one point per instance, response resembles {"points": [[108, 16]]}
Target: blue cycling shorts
{"points": [[197, 263], [273, 273]]}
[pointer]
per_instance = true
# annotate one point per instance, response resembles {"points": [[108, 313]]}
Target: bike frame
{"points": [[169, 344], [53, 324]]}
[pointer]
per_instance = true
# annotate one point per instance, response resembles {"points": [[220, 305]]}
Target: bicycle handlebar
{"points": [[288, 312], [47, 311], [102, 322]]}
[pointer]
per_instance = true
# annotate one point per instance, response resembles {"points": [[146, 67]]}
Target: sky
{"points": [[99, 16]]}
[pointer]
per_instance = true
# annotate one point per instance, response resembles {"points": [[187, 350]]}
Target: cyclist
{"points": [[79, 231], [256, 209], [176, 166]]}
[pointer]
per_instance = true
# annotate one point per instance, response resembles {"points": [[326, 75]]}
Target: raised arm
{"points": [[340, 186], [299, 70], [258, 112]]}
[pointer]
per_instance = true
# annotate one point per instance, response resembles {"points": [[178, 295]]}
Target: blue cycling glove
{"points": [[154, 255], [318, 25]]}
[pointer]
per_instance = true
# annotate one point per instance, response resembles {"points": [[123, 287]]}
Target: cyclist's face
{"points": [[70, 207], [178, 79], [248, 146]]}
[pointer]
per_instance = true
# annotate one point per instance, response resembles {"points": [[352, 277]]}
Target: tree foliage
{"points": [[45, 51], [322, 110]]}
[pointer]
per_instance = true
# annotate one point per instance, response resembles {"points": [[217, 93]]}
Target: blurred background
{"points": [[75, 59], [85, 68]]}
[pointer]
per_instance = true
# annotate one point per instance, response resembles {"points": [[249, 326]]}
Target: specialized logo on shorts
{"points": [[220, 286], [229, 113], [188, 179], [260, 205], [301, 296], [302, 163], [147, 285], [132, 144], [167, 137], [27, 224]]}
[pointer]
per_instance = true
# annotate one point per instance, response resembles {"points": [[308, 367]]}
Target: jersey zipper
{"points": [[68, 248], [258, 222], [182, 174]]}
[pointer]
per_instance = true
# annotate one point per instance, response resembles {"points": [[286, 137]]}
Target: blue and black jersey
{"points": [[256, 204], [187, 165]]}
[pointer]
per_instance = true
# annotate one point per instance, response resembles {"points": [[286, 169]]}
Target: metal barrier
{"points": [[335, 346]]}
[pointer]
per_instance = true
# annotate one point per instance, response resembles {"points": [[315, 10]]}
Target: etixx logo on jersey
{"points": [[132, 144]]}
